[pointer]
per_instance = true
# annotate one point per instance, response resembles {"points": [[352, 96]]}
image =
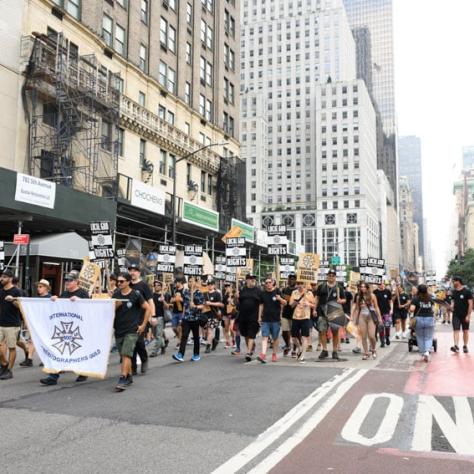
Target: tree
{"points": [[463, 268]]}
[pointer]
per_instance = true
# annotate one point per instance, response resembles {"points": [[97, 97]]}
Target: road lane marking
{"points": [[310, 425], [459, 433], [351, 430], [271, 434]]}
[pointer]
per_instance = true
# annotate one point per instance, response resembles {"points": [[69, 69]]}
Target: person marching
{"points": [[162, 302], [422, 308], [229, 313], [212, 310], [287, 314], [269, 317], [384, 300], [401, 303], [303, 303], [193, 303], [366, 315], [177, 302], [462, 309], [128, 325]]}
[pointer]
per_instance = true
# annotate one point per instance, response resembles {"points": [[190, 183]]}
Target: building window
{"points": [[167, 77], [120, 141], [189, 53], [163, 159], [107, 29], [162, 112], [144, 11], [170, 118], [50, 114], [203, 182], [208, 110], [122, 3], [330, 219], [142, 151], [171, 165], [143, 58], [73, 7], [106, 138], [229, 57], [187, 93], [188, 173], [202, 105], [351, 218], [207, 35], [189, 15], [141, 98], [119, 39], [167, 35], [229, 24], [209, 184]]}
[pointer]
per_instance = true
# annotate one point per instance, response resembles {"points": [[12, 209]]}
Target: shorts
{"points": [[322, 324], [212, 322], [248, 327], [176, 319], [400, 315], [300, 327], [387, 320], [285, 325], [126, 344], [271, 328], [10, 335], [459, 323]]}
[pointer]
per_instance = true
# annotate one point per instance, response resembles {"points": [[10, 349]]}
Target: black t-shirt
{"points": [[249, 301], [79, 293], [159, 305], [383, 300], [404, 298], [347, 305], [128, 315], [325, 293], [271, 306], [178, 305], [461, 302], [423, 309], [9, 313], [288, 310], [214, 297], [143, 288]]}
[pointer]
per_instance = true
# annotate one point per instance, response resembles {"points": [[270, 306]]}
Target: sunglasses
{"points": [[121, 281]]}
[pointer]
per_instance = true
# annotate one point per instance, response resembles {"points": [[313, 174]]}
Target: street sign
{"points": [[101, 239], [166, 258], [21, 239], [335, 260], [193, 260]]}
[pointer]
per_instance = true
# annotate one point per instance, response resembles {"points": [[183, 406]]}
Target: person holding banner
{"points": [[72, 292], [128, 325], [10, 323]]}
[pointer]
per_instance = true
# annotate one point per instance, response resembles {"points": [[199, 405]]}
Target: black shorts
{"points": [[400, 315], [248, 327], [458, 323], [300, 327]]}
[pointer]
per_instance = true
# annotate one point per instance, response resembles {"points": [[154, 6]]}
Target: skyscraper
{"points": [[409, 151], [372, 26]]}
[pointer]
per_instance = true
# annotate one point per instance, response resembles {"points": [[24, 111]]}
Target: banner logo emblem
{"points": [[67, 337]]}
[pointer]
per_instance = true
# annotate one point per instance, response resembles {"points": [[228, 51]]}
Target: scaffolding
{"points": [[73, 108]]}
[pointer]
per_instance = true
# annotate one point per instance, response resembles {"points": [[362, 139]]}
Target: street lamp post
{"points": [[173, 202]]}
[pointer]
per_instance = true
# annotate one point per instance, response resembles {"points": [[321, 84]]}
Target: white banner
{"points": [[71, 335], [35, 191]]}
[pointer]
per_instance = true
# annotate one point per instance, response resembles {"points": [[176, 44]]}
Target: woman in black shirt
{"points": [[422, 307]]}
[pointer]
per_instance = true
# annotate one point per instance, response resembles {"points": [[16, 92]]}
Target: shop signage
{"points": [[148, 197], [200, 216], [21, 239], [248, 231], [36, 191]]}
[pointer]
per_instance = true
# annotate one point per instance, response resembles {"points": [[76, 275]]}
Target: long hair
{"points": [[423, 294], [367, 297]]}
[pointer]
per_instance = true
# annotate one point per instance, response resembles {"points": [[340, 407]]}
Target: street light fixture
{"points": [[173, 203]]}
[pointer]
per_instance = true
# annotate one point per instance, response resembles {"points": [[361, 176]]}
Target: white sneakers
{"points": [[426, 356]]}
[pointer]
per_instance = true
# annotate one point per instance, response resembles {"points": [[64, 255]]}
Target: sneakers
{"points": [[121, 384], [357, 350], [236, 352], [387, 340], [26, 363], [81, 378], [286, 351], [347, 340], [426, 356], [196, 358], [248, 356], [455, 349], [178, 357], [208, 349], [7, 374], [397, 336], [335, 356], [465, 349], [144, 367], [293, 354], [128, 380], [324, 355], [382, 343], [274, 358], [262, 358], [301, 359], [215, 342], [3, 369], [48, 381], [309, 348]]}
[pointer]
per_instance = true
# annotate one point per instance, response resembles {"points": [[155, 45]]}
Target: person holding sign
{"points": [[128, 325], [177, 302], [212, 310]]}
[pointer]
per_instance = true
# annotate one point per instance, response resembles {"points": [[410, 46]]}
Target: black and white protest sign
{"points": [[220, 268], [235, 252], [101, 239], [166, 258], [287, 267], [193, 260], [372, 270], [276, 230]]}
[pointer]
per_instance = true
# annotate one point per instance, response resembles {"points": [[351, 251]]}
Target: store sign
{"points": [[200, 216], [36, 191], [248, 231], [193, 260], [148, 197], [21, 239], [166, 258], [101, 240]]}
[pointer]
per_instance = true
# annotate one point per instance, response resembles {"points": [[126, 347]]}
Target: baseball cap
{"points": [[134, 266], [331, 272], [8, 273], [43, 282], [71, 276], [292, 275], [250, 276], [211, 282]]}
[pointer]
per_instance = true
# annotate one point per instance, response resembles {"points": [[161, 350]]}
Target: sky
{"points": [[434, 81]]}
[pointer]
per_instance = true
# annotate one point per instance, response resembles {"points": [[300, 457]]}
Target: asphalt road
{"points": [[224, 415]]}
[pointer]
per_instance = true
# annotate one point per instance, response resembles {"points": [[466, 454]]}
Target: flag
{"points": [[71, 335]]}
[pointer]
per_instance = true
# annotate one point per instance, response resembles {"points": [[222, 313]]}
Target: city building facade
{"points": [[408, 228]]}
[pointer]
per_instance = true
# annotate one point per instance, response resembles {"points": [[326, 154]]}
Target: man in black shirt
{"points": [[213, 311], [162, 303], [129, 323], [287, 314], [249, 301], [384, 300], [73, 292], [10, 322], [269, 318], [140, 348], [462, 309]]}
